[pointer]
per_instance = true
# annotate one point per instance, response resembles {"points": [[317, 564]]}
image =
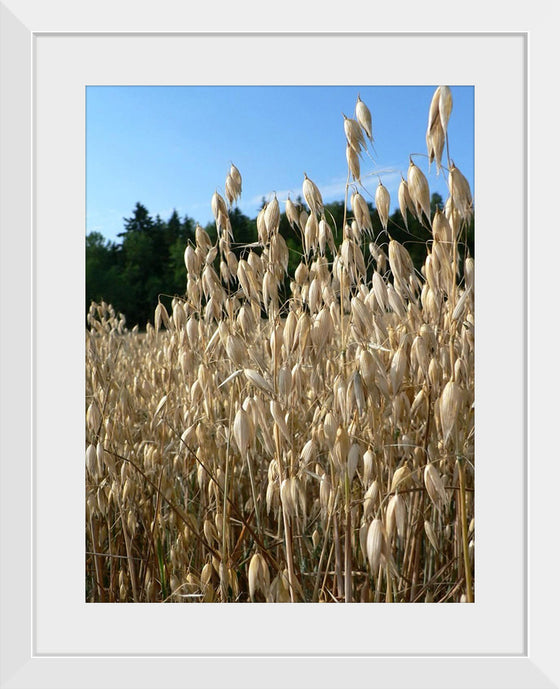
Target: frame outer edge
{"points": [[16, 337]]}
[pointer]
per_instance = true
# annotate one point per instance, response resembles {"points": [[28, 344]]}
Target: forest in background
{"points": [[148, 265]]}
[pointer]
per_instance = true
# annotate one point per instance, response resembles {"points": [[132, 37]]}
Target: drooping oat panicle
{"points": [[312, 195], [354, 134], [382, 203], [363, 115]]}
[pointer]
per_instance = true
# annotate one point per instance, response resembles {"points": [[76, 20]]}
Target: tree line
{"points": [[147, 263]]}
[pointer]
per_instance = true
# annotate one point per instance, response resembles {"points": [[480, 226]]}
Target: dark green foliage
{"points": [[148, 263]]}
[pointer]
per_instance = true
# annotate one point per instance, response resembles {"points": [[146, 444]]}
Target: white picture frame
{"points": [[50, 637]]}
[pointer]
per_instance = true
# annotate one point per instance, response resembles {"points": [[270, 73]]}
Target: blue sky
{"points": [[170, 147]]}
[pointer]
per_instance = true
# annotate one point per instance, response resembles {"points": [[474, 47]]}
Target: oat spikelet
{"points": [[242, 431], [353, 162], [430, 533], [370, 497], [363, 115], [445, 106], [258, 576], [449, 406], [460, 192], [375, 545], [257, 380], [354, 134], [202, 238], [435, 142], [236, 177], [382, 202], [280, 420], [405, 202], [192, 261], [438, 118], [419, 191], [292, 213], [434, 486], [312, 195], [361, 212], [396, 516], [272, 216], [401, 478], [219, 210], [230, 190]]}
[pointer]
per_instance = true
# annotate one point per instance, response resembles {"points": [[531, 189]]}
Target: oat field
{"points": [[250, 447]]}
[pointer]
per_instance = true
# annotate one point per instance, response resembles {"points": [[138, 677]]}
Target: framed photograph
{"points": [[51, 634]]}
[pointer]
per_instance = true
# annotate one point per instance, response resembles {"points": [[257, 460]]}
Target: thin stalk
{"points": [[289, 556], [464, 532], [347, 544], [130, 559], [389, 590], [338, 558], [98, 565], [225, 545], [286, 520], [348, 558], [254, 492], [319, 566]]}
